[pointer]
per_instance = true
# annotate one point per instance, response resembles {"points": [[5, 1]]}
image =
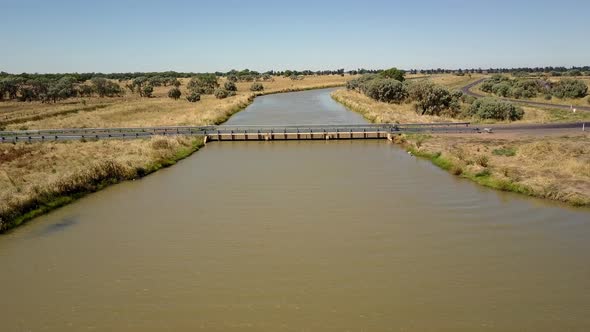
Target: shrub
{"points": [[467, 99], [456, 170], [487, 86], [516, 92], [483, 173], [547, 96], [203, 84], [508, 152], [230, 86], [492, 108], [359, 84], [574, 72], [525, 88], [569, 88], [386, 90], [501, 89], [193, 97], [147, 91], [256, 87], [482, 160], [221, 93], [174, 93]]}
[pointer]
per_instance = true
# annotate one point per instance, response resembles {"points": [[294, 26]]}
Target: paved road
{"points": [[467, 90], [133, 133]]}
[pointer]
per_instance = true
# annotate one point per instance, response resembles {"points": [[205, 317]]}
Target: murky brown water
{"points": [[299, 236]]}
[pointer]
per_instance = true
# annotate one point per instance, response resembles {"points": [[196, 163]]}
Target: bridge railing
{"points": [[126, 132]]}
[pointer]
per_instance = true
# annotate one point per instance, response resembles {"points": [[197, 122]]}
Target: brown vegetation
{"points": [[132, 110], [38, 177], [35, 178], [556, 168]]}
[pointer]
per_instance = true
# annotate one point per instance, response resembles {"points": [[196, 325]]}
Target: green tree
{"points": [[105, 88], [432, 99], [174, 93], [393, 73], [85, 90], [203, 83], [61, 89], [386, 90]]}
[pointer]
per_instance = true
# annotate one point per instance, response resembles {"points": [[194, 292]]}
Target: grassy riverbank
{"points": [[134, 111], [39, 177], [555, 167]]}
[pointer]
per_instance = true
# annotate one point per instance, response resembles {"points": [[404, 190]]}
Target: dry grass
{"points": [[379, 112], [557, 168], [34, 176], [451, 81], [133, 111]]}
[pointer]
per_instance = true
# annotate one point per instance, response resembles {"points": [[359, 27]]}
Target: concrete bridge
{"points": [[238, 133]]}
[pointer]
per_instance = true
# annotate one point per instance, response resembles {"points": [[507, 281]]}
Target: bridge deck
{"points": [[232, 133]]}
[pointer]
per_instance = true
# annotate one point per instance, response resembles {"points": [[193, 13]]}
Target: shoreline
{"points": [[53, 202], [44, 205], [483, 177]]}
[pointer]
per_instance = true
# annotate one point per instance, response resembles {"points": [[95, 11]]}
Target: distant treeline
{"points": [[53, 87], [82, 77], [523, 71]]}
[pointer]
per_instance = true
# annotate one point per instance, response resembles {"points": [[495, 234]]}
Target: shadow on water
{"points": [[59, 226]]}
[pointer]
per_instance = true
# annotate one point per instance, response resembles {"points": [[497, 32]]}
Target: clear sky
{"points": [[143, 35]]}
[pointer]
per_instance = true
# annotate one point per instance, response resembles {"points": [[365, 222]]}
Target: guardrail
{"points": [[138, 132]]}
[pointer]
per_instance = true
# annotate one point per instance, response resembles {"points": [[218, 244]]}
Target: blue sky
{"points": [[199, 36]]}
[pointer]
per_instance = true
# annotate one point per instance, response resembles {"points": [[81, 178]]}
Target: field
{"points": [[35, 178], [134, 111]]}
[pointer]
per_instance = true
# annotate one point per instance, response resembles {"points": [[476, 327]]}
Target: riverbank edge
{"points": [[45, 206], [242, 106], [483, 178], [199, 142], [295, 89]]}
